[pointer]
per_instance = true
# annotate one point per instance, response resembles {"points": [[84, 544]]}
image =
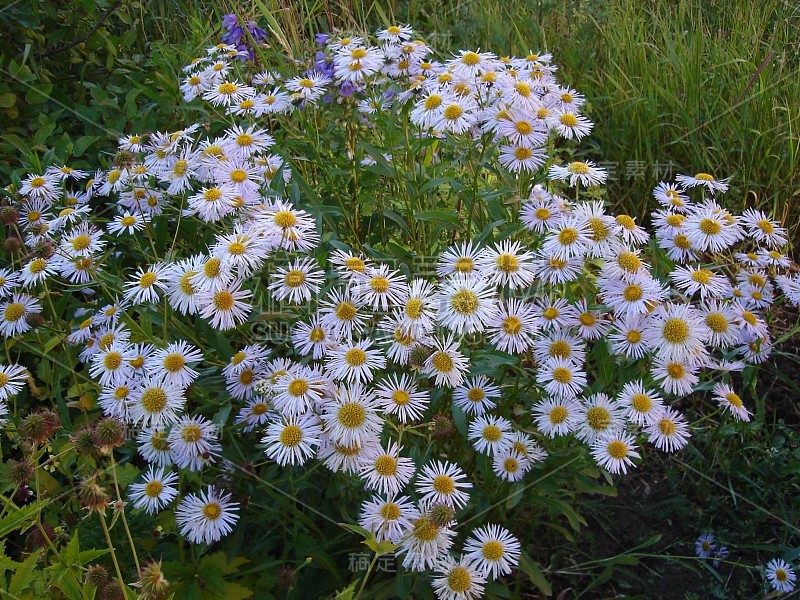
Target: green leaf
{"points": [[443, 217], [16, 519], [23, 576], [347, 593], [8, 100], [531, 568], [82, 143], [39, 93]]}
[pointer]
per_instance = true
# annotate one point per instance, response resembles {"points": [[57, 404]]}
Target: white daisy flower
{"points": [[561, 378], [461, 259], [400, 396], [387, 517], [669, 432], [206, 518], [476, 396], [676, 333], [703, 180], [583, 173], [385, 471], [155, 403], [446, 363], [14, 314], [194, 442], [569, 124], [512, 327], [37, 270], [571, 238], [313, 338], [355, 361], [171, 363], [181, 293], [350, 416], [675, 377], [693, 280], [642, 406], [599, 415], [254, 414], [146, 285], [627, 337], [292, 439], [490, 434], [671, 196], [154, 446], [378, 287], [457, 579], [424, 543], [111, 366], [556, 416], [493, 549], [298, 282], [155, 491], [506, 264], [781, 575], [730, 401], [12, 380], [226, 308], [343, 313], [443, 483], [614, 452]]}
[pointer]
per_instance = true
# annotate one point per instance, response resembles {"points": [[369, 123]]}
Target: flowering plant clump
{"points": [[312, 198]]}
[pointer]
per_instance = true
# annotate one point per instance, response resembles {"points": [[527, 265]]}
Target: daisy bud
{"points": [[123, 158], [152, 581], [97, 575], [9, 215], [285, 576], [93, 497], [19, 472], [419, 354], [39, 426], [111, 591], [12, 245], [36, 539], [442, 426], [441, 514], [83, 441], [108, 433]]}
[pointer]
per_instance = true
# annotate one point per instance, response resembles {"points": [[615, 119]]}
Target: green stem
{"points": [[366, 576], [111, 549]]}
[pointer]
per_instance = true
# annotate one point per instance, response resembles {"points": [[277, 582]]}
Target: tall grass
{"points": [[674, 86]]}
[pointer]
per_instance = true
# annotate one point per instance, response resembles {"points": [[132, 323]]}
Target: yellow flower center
{"points": [[425, 530], [568, 120], [346, 311], [667, 426], [512, 325], [471, 58], [316, 335], [641, 403], [298, 388], [558, 415], [543, 214], [459, 580], [676, 370], [444, 484], [578, 168], [676, 330], [453, 112], [212, 267], [567, 236], [390, 511], [464, 265], [618, 449], [633, 293], [675, 220], [432, 102], [37, 265], [682, 242], [355, 357], [285, 218], [598, 418], [174, 362], [147, 279], [238, 175], [180, 168], [734, 399], [550, 313], [492, 550], [212, 511], [153, 489], [224, 300], [523, 89], [128, 221], [442, 362], [227, 89], [634, 336], [492, 433], [562, 375], [414, 308], [702, 276], [244, 139], [295, 278], [476, 394], [191, 433], [379, 284], [704, 177], [352, 415], [112, 361], [464, 302], [710, 226], [717, 322], [587, 319], [560, 348], [154, 400], [401, 397]]}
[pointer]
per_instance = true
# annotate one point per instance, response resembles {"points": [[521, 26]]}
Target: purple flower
{"points": [[322, 38], [234, 34]]}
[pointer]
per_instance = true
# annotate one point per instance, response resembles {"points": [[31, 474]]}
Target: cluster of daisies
{"points": [[372, 344]]}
